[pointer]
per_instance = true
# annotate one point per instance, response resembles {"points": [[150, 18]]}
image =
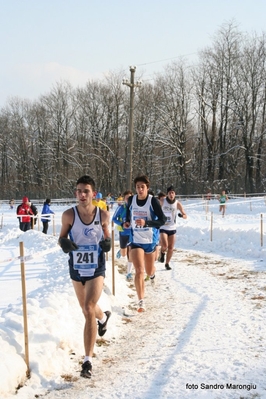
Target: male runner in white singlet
{"points": [[89, 238], [171, 208]]}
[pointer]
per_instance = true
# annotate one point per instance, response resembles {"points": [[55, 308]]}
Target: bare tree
{"points": [[198, 128]]}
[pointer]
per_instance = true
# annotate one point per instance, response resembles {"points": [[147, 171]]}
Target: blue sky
{"points": [[45, 41]]}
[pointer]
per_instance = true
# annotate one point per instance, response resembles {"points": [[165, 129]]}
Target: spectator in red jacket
{"points": [[24, 213]]}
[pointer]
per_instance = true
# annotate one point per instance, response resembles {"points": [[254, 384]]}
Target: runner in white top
{"points": [[171, 208], [144, 217], [89, 238]]}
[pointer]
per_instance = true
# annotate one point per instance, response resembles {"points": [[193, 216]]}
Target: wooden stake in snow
{"points": [[211, 224], [113, 258], [261, 229], [24, 301], [54, 233]]}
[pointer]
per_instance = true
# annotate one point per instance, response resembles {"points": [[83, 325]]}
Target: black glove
{"points": [[180, 215], [105, 244], [67, 245]]}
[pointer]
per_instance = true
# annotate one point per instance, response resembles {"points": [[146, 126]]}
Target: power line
{"points": [[166, 59]]}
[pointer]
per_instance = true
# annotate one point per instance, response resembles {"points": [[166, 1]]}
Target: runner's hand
{"points": [[105, 244], [67, 245]]}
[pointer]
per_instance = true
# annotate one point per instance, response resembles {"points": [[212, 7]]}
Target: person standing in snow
{"points": [[35, 213], [24, 214], [46, 212], [87, 227], [171, 208], [145, 217], [11, 203]]}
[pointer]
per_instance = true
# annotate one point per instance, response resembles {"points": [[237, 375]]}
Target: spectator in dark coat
{"points": [[35, 213]]}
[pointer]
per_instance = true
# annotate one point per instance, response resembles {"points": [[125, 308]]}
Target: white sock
{"points": [[103, 319], [129, 267], [87, 358]]}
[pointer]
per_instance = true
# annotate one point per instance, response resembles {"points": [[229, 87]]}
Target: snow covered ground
{"points": [[203, 334]]}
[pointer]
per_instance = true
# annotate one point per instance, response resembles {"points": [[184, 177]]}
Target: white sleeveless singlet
{"points": [[170, 212], [87, 237], [141, 235]]}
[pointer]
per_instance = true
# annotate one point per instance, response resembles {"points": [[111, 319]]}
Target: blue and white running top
{"points": [[88, 257], [140, 234]]}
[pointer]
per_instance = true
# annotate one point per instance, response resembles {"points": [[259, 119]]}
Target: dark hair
{"points": [[170, 188], [47, 201], [127, 192], [143, 179], [86, 180], [161, 194]]}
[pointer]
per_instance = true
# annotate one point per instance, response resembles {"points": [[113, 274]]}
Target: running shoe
{"points": [[161, 257], [118, 254], [167, 266], [102, 328], [147, 278], [152, 280], [129, 277], [86, 370], [141, 307]]}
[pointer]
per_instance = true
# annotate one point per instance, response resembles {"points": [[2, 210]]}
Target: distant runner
{"points": [[171, 208]]}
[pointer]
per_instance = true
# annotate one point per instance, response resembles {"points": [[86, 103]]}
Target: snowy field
{"points": [[203, 334]]}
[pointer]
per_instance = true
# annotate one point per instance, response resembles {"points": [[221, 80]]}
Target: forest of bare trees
{"points": [[198, 127]]}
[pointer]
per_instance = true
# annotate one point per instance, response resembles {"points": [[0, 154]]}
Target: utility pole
{"points": [[131, 85]]}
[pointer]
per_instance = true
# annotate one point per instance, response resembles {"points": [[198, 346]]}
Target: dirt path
{"points": [[200, 326]]}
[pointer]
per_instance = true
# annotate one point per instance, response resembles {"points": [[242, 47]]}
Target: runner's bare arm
{"points": [[67, 221], [181, 209], [65, 243], [105, 218]]}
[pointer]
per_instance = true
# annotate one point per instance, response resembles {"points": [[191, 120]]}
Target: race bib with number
{"points": [[139, 215], [85, 259], [168, 215]]}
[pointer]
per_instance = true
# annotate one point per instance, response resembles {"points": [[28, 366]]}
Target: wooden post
{"points": [[207, 208], [54, 226], [113, 258], [24, 301], [211, 224], [261, 230]]}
